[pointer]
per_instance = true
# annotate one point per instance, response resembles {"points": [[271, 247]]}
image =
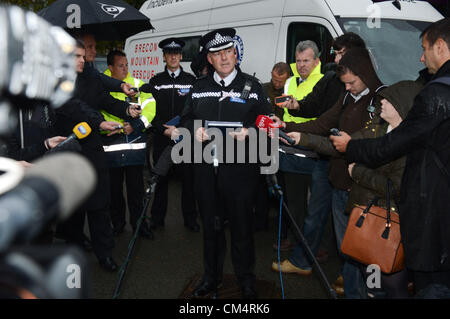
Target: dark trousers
{"points": [[188, 204], [134, 181], [262, 204], [228, 195], [96, 208], [99, 222], [296, 189]]}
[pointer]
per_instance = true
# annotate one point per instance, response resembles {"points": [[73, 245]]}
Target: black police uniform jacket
{"points": [[170, 95], [424, 195], [210, 101]]}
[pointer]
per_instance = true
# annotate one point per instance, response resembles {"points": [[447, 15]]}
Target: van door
{"points": [[296, 29]]}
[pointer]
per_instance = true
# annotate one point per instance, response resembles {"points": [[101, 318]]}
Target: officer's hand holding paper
{"points": [[240, 132], [200, 135], [171, 130], [240, 135]]}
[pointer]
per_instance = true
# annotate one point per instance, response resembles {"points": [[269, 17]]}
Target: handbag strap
{"points": [[363, 214], [385, 234]]}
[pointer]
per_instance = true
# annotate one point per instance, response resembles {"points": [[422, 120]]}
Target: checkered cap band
{"points": [[218, 40]]}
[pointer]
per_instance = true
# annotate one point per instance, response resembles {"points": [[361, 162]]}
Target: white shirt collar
{"points": [[177, 72], [360, 95], [227, 79]]}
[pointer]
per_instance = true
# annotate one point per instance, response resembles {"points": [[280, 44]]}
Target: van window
{"points": [[191, 48], [395, 46], [100, 63], [309, 31]]}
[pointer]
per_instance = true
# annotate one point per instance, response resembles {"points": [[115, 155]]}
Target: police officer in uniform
{"points": [[227, 191], [170, 89]]}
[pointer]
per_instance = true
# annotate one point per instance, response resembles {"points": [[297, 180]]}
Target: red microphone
{"points": [[265, 123]]}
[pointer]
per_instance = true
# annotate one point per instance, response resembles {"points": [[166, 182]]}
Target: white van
{"points": [[268, 31]]}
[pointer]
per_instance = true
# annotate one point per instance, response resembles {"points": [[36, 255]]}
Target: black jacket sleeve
{"points": [[27, 153], [111, 84], [410, 134], [104, 101], [323, 96]]}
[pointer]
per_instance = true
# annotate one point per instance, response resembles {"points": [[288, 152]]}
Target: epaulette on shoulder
{"points": [[252, 78]]}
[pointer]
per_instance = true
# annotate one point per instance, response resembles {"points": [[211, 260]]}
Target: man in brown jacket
{"points": [[351, 113]]}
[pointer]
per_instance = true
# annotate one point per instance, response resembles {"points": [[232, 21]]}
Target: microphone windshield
{"points": [[82, 130], [71, 174], [265, 123]]}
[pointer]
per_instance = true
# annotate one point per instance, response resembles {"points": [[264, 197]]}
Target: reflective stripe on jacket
{"points": [[129, 150]]}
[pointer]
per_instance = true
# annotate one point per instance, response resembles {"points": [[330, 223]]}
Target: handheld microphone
{"points": [[53, 187], [80, 131], [265, 123]]}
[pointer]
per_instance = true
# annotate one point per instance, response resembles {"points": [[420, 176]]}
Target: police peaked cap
{"points": [[217, 40], [171, 45]]}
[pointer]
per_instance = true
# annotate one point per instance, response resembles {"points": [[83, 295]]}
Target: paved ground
{"points": [[162, 268]]}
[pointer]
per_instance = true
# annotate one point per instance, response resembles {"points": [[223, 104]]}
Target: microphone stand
{"points": [[149, 193], [217, 222], [279, 193]]}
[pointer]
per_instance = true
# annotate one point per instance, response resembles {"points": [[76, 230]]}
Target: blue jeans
{"points": [[319, 208], [319, 204], [354, 284]]}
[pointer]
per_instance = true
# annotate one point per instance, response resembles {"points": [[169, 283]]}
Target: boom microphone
{"points": [[80, 131], [162, 166], [164, 162], [265, 123], [53, 187]]}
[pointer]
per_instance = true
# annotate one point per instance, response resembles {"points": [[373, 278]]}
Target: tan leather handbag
{"points": [[373, 236]]}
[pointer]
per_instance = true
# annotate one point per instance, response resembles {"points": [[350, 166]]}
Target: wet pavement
{"points": [[162, 268]]}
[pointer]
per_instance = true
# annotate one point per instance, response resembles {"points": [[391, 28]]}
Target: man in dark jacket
{"points": [[424, 203], [88, 98], [170, 89], [89, 69]]}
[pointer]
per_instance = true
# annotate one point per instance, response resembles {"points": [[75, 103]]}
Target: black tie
{"points": [[173, 75], [222, 82]]}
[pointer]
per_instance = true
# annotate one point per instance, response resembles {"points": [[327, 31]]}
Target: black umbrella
{"points": [[105, 19]]}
